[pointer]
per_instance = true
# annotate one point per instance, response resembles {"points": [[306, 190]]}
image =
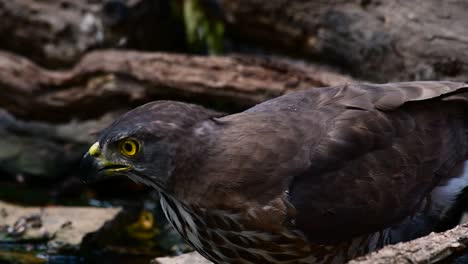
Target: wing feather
{"points": [[383, 149]]}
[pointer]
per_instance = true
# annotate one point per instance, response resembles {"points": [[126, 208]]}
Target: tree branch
{"points": [[429, 249]]}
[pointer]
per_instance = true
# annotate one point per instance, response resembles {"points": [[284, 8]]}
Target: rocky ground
{"points": [[39, 233], [188, 258], [62, 228]]}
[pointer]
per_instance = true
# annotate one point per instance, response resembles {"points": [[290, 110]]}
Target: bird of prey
{"points": [[314, 176]]}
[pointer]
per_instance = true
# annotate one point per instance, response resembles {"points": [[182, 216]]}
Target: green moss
{"points": [[20, 257], [202, 31]]}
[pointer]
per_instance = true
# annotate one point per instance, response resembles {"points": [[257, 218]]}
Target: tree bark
{"points": [[429, 249], [107, 80], [56, 33], [374, 40]]}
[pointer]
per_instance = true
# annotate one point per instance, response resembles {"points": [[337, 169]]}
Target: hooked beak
{"points": [[95, 167]]}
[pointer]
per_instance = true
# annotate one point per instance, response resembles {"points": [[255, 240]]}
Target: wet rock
{"points": [[61, 228], [57, 32], [189, 258], [43, 149], [91, 233]]}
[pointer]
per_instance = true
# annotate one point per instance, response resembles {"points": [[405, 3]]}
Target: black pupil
{"points": [[128, 147]]}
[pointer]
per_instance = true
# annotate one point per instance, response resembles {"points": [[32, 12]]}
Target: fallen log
{"points": [[374, 40], [433, 248], [56, 33], [106, 80]]}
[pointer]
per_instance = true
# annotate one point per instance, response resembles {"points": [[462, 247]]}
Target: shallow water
{"points": [[109, 249]]}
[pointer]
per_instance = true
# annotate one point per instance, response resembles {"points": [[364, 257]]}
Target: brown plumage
{"points": [[320, 175]]}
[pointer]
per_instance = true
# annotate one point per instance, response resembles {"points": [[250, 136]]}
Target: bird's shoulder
{"points": [[337, 123]]}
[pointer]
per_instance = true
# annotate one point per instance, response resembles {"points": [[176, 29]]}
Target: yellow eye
{"points": [[129, 147]]}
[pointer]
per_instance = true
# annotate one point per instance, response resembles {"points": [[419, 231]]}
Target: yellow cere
{"points": [[94, 150], [128, 147]]}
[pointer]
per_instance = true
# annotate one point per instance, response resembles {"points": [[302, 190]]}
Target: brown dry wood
{"points": [[429, 249], [391, 40], [107, 80]]}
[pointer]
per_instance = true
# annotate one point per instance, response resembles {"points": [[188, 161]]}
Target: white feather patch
{"points": [[443, 196]]}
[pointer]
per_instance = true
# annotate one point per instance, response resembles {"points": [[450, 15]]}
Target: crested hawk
{"points": [[315, 176]]}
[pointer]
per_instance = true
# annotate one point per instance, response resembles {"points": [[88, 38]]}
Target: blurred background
{"points": [[69, 67]]}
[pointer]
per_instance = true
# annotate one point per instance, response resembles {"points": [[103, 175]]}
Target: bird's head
{"points": [[143, 143]]}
